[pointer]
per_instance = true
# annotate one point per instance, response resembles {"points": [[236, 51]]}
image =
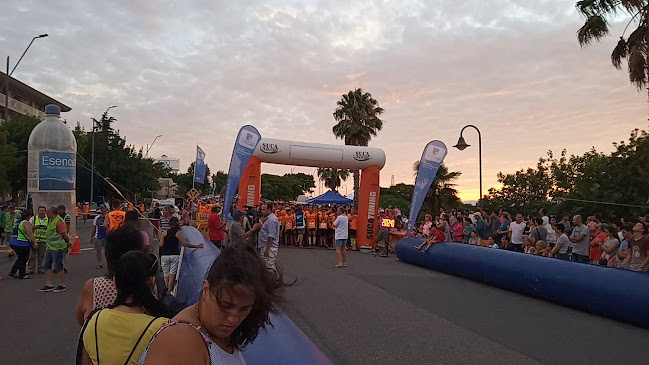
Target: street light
{"points": [[92, 157], [6, 86], [149, 147], [462, 145]]}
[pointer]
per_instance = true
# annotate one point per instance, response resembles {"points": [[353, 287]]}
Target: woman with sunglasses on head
{"points": [[120, 333], [234, 304]]}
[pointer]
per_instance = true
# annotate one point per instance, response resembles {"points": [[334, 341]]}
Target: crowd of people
{"points": [[619, 244]]}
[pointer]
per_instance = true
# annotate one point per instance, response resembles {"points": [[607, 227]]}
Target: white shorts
{"points": [[270, 260], [169, 264]]}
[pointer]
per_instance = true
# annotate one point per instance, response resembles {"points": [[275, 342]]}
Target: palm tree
{"points": [[332, 178], [357, 114], [633, 49], [442, 192]]}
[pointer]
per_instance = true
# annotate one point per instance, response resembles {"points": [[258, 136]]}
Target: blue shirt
{"points": [[101, 229]]}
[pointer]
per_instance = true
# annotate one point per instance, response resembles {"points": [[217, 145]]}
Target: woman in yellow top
{"points": [[120, 333]]}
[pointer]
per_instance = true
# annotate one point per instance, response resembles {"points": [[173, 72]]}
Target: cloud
{"points": [[196, 72]]}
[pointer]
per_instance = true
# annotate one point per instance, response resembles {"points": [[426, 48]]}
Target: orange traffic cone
{"points": [[75, 248]]}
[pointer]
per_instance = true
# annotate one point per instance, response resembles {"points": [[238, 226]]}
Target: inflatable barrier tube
{"points": [[609, 292], [281, 343]]}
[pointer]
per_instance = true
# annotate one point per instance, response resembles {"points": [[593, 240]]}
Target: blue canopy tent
{"points": [[330, 198]]}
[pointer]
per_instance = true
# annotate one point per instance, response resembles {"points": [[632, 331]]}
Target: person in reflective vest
{"points": [[21, 241], [39, 225], [57, 241]]}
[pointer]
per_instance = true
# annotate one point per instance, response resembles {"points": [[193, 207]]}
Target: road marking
{"points": [[87, 249]]}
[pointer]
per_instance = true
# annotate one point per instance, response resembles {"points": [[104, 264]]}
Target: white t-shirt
{"points": [[342, 227], [517, 230]]}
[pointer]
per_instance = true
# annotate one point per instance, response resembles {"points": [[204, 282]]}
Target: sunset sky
{"points": [[196, 73]]}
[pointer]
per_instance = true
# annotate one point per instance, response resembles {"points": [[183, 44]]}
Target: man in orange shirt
{"points": [[322, 227], [289, 226], [352, 227], [116, 216], [86, 211], [311, 218]]}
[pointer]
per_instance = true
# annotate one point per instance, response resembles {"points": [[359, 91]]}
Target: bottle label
{"points": [[54, 171]]}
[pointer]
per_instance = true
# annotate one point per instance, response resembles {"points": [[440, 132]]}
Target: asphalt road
{"points": [[376, 311]]}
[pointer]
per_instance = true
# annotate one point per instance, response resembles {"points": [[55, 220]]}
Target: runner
{"points": [[300, 225], [322, 227], [352, 216], [289, 226], [311, 222]]}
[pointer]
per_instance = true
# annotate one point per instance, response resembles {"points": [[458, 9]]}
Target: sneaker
{"points": [[46, 288], [338, 265], [65, 271], [59, 289], [344, 265]]}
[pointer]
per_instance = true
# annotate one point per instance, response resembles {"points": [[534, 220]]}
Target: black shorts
{"points": [[322, 232], [311, 230], [352, 233]]}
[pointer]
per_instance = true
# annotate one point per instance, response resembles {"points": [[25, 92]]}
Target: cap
{"points": [[477, 213], [381, 210], [237, 214], [52, 109], [61, 207], [102, 206]]}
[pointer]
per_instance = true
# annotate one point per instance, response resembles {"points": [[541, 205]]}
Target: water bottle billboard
{"points": [[56, 170]]}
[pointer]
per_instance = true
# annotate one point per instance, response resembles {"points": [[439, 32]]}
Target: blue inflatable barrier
{"points": [[619, 294], [281, 343]]}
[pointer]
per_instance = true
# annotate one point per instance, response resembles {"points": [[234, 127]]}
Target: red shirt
{"points": [[439, 236], [215, 227]]}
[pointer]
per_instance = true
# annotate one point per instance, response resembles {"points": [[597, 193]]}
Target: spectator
{"points": [[268, 239], [503, 228], [481, 226], [22, 239], [505, 243], [443, 225], [565, 220], [541, 248], [437, 237], [99, 234], [597, 239], [115, 216], [638, 249], [491, 243], [216, 227], [237, 233], [57, 243], [468, 229], [473, 239], [543, 214], [100, 292], [236, 299], [132, 220], [551, 235], [39, 224], [539, 232], [127, 326], [623, 251], [560, 249], [341, 225], [516, 230], [170, 252], [426, 226], [529, 246], [495, 226], [165, 218], [580, 237], [458, 230], [592, 225], [184, 216], [609, 247]]}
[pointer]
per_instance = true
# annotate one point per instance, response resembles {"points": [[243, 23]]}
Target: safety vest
{"points": [[55, 240], [40, 229], [19, 231]]}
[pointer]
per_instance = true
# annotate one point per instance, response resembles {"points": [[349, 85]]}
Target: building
{"points": [[168, 188], [25, 100], [170, 162]]}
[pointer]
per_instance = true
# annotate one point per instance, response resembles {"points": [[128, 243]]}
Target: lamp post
{"points": [[6, 86], [149, 147], [461, 145], [92, 157]]}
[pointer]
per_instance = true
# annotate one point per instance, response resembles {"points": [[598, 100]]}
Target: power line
{"points": [[606, 203]]}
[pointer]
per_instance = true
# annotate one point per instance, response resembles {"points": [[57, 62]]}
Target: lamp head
{"points": [[461, 144], [43, 35]]}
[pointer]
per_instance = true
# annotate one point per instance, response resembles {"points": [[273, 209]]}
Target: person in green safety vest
{"points": [[21, 241], [57, 241], [39, 225], [67, 220]]}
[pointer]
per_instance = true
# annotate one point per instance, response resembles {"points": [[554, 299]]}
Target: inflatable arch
{"points": [[369, 160]]}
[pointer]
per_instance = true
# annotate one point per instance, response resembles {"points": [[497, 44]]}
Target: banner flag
{"points": [[431, 159], [244, 146], [199, 166]]}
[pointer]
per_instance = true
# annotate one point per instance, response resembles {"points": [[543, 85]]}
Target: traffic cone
{"points": [[76, 250]]}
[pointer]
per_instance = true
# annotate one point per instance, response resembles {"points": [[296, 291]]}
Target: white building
{"points": [[169, 162]]}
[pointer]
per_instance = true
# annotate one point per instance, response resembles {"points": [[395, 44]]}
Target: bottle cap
{"points": [[52, 109]]}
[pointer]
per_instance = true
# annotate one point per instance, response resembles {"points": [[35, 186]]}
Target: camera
{"points": [[253, 214]]}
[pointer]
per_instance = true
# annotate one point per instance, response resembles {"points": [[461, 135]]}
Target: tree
{"points": [[397, 196], [357, 114], [332, 178], [219, 180], [633, 48], [19, 128], [186, 181], [287, 187], [442, 192]]}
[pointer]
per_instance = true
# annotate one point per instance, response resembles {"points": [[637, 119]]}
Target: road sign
{"points": [[193, 193]]}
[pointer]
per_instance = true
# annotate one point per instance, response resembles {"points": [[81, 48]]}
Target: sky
{"points": [[196, 71]]}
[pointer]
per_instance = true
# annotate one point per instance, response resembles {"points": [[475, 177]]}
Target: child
{"points": [[491, 243], [542, 248], [473, 240], [504, 242], [437, 237]]}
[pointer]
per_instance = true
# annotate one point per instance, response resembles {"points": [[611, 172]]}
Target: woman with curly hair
{"points": [[235, 302]]}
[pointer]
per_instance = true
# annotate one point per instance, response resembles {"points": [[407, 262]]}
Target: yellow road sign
{"points": [[193, 193]]}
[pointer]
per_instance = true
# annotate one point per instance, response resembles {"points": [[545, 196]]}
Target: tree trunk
{"points": [[357, 187]]}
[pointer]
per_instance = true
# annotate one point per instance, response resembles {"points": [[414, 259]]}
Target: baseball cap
{"points": [[237, 214], [102, 206], [61, 207], [381, 210]]}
